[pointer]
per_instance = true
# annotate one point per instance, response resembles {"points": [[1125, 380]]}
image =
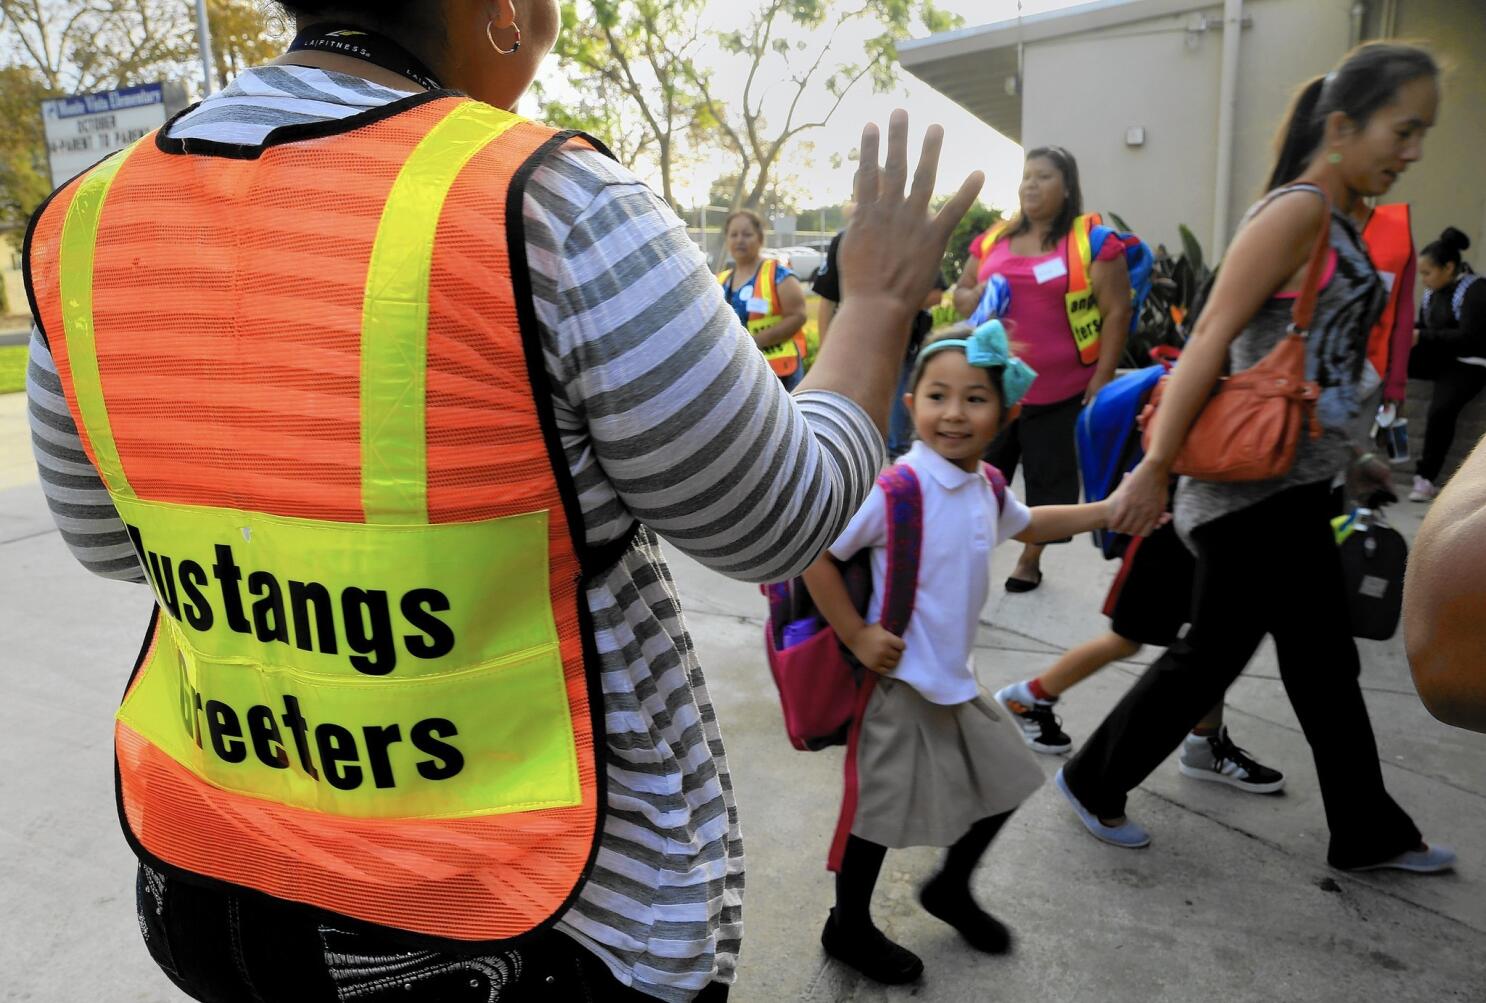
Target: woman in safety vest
{"points": [[766, 296], [387, 393], [1070, 307]]}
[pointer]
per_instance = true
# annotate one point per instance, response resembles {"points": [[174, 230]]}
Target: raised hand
{"points": [[894, 247]]}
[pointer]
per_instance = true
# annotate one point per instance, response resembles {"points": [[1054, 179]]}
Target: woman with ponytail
{"points": [[1451, 332], [1349, 137]]}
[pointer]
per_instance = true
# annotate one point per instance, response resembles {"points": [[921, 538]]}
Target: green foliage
{"points": [[978, 220], [12, 368], [24, 180], [787, 57], [1168, 313], [631, 64]]}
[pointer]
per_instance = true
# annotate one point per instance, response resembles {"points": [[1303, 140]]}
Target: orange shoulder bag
{"points": [[1251, 426]]}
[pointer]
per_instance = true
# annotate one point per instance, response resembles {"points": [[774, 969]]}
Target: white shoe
{"points": [[1423, 490]]}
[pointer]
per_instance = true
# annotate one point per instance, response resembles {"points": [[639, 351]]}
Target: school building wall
{"points": [[1085, 91]]}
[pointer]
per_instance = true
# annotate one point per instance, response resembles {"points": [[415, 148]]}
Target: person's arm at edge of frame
{"points": [[1444, 594], [791, 315], [967, 291], [878, 302], [1264, 256]]}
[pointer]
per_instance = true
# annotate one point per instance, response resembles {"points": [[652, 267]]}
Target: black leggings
{"points": [[1240, 596], [862, 862], [1454, 388]]}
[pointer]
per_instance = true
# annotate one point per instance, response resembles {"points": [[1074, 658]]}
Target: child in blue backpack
{"points": [[938, 763]]}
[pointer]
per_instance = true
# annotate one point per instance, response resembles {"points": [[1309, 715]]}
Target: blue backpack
{"points": [[1108, 439]]}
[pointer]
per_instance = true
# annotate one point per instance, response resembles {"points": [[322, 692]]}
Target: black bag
{"points": [[1373, 555]]}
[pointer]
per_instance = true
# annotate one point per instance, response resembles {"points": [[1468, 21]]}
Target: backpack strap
{"points": [[998, 485], [905, 533]]}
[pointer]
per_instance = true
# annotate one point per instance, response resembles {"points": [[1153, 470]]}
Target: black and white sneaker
{"points": [[1217, 758], [1040, 727]]}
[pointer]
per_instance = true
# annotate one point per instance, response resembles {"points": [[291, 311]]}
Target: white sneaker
{"points": [[1423, 490]]}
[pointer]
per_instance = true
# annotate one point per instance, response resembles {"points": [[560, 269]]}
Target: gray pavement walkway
{"points": [[1233, 900]]}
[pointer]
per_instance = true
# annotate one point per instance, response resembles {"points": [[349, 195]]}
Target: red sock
{"points": [[1035, 688]]}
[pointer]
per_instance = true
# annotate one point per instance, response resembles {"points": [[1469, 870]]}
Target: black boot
{"points": [[947, 896], [869, 951]]}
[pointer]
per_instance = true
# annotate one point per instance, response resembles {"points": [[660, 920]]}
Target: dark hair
{"points": [[1073, 203], [1367, 79], [751, 216], [401, 17], [960, 330], [1446, 250]]}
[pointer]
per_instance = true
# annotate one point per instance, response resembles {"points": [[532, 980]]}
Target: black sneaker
{"points": [[1040, 727], [1217, 758], [870, 952]]}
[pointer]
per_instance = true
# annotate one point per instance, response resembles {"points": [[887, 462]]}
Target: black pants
{"points": [[1456, 386], [1269, 569], [218, 947], [1042, 440]]}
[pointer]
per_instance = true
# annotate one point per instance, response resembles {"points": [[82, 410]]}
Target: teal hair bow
{"points": [[988, 347]]}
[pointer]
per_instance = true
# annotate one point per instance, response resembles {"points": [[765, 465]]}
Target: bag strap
{"points": [[905, 531], [1305, 304], [998, 484]]}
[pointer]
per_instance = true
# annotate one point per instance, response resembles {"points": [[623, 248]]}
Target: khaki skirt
{"points": [[926, 772]]}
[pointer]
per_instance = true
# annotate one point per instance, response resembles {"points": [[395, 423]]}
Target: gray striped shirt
{"points": [[670, 417]]}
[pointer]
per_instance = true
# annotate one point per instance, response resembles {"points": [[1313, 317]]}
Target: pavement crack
{"points": [[29, 536], [1336, 876]]}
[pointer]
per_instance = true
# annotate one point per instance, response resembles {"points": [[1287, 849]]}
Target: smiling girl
{"points": [[939, 763]]}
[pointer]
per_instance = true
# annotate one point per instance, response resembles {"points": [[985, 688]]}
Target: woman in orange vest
{"points": [[1070, 304], [766, 296], [387, 392]]}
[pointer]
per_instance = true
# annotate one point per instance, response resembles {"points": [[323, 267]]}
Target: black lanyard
{"points": [[359, 43]]}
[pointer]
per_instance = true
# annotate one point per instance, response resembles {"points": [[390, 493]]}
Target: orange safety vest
{"points": [[309, 375], [788, 356], [1084, 319], [1390, 243]]}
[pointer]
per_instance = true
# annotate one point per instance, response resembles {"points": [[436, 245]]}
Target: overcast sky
{"points": [[969, 143]]}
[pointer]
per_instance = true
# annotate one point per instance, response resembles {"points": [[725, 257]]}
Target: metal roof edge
{"points": [[1037, 27]]}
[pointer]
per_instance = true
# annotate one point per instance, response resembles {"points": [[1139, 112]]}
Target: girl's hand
{"points": [[877, 648], [1139, 504]]}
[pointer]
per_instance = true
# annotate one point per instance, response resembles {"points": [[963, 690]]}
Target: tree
{"points": [[53, 47], [77, 46], [978, 220], [24, 181], [642, 51], [746, 129]]}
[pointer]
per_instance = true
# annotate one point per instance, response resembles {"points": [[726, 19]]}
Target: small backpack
{"points": [[817, 677]]}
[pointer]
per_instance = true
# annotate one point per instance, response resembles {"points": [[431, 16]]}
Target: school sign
{"points": [[83, 129]]}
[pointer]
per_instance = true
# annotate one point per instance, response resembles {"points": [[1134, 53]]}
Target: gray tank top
{"points": [[1346, 309]]}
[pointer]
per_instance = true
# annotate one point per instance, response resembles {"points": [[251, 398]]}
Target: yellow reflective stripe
{"points": [[723, 276], [75, 285], [394, 318], [1080, 254], [765, 289]]}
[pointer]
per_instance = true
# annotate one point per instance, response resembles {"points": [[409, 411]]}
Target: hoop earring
{"points": [[490, 34]]}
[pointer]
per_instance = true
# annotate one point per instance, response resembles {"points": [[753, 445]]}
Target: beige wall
{"points": [[1082, 92], [1448, 187]]}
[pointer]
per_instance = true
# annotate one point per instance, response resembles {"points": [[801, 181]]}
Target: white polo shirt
{"points": [[961, 525]]}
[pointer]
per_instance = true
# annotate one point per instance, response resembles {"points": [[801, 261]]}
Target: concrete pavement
{"points": [[1233, 900]]}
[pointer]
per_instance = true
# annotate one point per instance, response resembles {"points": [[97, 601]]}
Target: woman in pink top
{"points": [[1032, 254]]}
